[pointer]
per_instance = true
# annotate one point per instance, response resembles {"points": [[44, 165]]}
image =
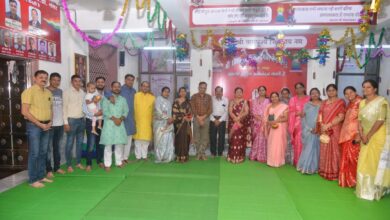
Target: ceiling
{"points": [[178, 11]]}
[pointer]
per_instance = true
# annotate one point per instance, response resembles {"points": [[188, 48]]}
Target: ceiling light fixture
{"points": [[280, 27], [160, 48], [140, 30], [372, 46]]}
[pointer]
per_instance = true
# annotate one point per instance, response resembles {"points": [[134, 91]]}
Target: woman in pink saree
{"points": [[276, 116], [330, 120], [259, 141], [296, 105]]}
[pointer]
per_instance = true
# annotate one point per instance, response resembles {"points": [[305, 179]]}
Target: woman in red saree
{"points": [[238, 123], [349, 140], [330, 118]]}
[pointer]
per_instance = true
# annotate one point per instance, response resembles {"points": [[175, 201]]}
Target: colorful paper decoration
{"points": [[229, 44], [323, 47], [92, 42], [181, 47]]}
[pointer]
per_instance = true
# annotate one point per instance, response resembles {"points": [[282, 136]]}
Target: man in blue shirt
{"points": [[128, 92]]}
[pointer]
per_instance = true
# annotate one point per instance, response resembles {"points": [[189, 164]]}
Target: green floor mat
{"points": [[204, 190]]}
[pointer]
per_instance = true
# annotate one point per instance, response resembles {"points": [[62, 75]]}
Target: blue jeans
{"points": [[53, 151], [76, 132], [37, 152], [92, 141]]}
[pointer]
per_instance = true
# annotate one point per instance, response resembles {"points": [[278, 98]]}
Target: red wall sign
{"points": [[267, 72], [30, 29]]}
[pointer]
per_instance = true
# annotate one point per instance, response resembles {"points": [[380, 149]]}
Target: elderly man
{"points": [[218, 122]]}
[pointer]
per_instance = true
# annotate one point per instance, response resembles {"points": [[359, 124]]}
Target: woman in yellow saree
{"points": [[373, 169]]}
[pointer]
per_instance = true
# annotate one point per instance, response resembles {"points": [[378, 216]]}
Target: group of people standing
{"points": [[350, 144]]}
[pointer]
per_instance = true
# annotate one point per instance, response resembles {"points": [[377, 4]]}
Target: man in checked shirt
{"points": [[201, 105]]}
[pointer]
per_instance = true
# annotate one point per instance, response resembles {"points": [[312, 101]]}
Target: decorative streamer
{"points": [[145, 3], [338, 67], [151, 17], [92, 42], [170, 32]]}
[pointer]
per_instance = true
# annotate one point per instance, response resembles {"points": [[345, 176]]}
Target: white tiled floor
{"points": [[13, 180]]}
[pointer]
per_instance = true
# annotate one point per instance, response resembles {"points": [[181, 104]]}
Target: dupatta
{"points": [[382, 177]]}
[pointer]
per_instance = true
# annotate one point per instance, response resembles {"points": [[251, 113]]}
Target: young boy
{"points": [[92, 99]]}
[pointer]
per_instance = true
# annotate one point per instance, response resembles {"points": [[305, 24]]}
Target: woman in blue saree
{"points": [[308, 161]]}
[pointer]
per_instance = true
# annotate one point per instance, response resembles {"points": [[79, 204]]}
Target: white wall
{"points": [[130, 67], [71, 43], [201, 73], [323, 73], [384, 85]]}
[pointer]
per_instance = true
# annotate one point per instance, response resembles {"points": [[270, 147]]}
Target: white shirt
{"points": [[220, 108], [92, 107], [73, 104]]}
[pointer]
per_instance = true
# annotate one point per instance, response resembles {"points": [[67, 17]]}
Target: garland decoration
{"points": [[92, 42], [210, 41], [181, 47]]}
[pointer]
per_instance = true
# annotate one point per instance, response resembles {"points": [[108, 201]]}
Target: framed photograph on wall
{"points": [[80, 67]]}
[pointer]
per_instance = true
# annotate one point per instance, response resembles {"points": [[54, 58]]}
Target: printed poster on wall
{"points": [[30, 29], [315, 13]]}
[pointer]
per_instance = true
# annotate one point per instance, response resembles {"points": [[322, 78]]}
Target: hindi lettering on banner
{"points": [[234, 15], [321, 13], [308, 41], [327, 14], [30, 29]]}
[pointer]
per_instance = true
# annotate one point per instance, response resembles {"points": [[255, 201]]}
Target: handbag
{"points": [[272, 118]]}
